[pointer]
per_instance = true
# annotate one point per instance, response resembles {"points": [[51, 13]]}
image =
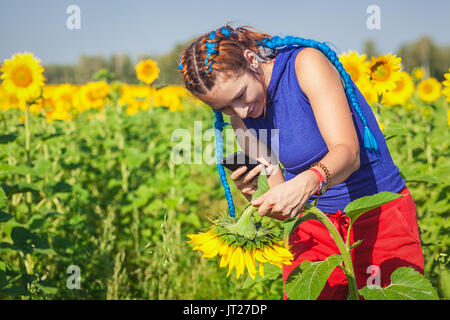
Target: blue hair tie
{"points": [[180, 66], [225, 32], [210, 49]]}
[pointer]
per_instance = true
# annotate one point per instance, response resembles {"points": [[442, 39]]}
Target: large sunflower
{"points": [[355, 65], [242, 245], [147, 71], [429, 90], [403, 91], [22, 75], [382, 71]]}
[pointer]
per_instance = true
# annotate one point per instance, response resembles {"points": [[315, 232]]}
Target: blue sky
{"points": [[153, 27]]}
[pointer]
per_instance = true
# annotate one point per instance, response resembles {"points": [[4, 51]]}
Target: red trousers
{"points": [[390, 239]]}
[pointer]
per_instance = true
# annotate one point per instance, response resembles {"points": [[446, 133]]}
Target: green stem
{"points": [[245, 227], [5, 127], [429, 149], [345, 252], [28, 153], [409, 140]]}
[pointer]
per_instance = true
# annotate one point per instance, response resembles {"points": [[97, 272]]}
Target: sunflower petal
{"points": [[250, 263]]}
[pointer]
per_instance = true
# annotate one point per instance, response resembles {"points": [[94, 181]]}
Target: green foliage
{"points": [[104, 195], [359, 206], [406, 284], [311, 278], [308, 282], [422, 157]]}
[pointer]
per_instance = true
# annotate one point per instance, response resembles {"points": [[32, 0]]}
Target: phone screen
{"points": [[239, 159]]}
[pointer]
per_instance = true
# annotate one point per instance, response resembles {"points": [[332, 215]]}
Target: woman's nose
{"points": [[241, 111]]}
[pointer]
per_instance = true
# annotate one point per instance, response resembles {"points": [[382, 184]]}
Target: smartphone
{"points": [[239, 159]]}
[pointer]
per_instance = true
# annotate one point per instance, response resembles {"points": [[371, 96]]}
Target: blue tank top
{"points": [[301, 144]]}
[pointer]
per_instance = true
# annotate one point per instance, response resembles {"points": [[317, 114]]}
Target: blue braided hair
{"points": [[274, 44], [218, 125]]}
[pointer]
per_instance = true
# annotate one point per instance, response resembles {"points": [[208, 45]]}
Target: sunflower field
{"points": [[93, 207]]}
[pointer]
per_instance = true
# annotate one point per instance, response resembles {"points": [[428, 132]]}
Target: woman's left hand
{"points": [[289, 197]]}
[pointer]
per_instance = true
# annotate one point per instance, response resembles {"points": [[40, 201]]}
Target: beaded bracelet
{"points": [[325, 169]]}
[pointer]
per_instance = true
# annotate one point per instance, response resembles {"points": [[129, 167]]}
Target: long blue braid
{"points": [[218, 125], [276, 42]]}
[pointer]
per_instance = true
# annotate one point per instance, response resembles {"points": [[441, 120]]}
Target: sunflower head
{"points": [[429, 90], [382, 70], [368, 91], [404, 89], [147, 71], [418, 73], [92, 95], [355, 65], [22, 75], [242, 244]]}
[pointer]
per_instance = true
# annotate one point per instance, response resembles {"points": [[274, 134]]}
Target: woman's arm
{"points": [[321, 83]]}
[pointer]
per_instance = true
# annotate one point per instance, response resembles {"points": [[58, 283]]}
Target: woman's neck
{"points": [[267, 68]]}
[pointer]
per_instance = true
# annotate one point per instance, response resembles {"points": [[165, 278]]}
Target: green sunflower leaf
{"points": [[364, 204], [406, 284], [263, 185], [309, 282]]}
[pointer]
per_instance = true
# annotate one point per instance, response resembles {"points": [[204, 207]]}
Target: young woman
{"points": [[328, 142]]}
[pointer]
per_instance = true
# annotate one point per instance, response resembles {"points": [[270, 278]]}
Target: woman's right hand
{"points": [[246, 182]]}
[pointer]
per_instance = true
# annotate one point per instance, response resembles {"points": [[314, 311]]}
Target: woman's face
{"points": [[241, 95]]}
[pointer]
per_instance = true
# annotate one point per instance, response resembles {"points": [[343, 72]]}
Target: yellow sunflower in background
{"points": [[135, 97], [368, 91], [446, 83], [22, 75], [429, 90], [169, 97], [147, 71], [59, 101], [403, 91], [418, 73], [10, 101], [382, 71], [355, 65], [92, 95], [242, 245], [446, 93]]}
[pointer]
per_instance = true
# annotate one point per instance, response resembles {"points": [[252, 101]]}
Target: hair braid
{"points": [[218, 125]]}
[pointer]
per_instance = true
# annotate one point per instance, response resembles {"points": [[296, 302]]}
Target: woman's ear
{"points": [[250, 56]]}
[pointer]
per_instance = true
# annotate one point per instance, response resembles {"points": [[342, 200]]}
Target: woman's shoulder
{"points": [[313, 67]]}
